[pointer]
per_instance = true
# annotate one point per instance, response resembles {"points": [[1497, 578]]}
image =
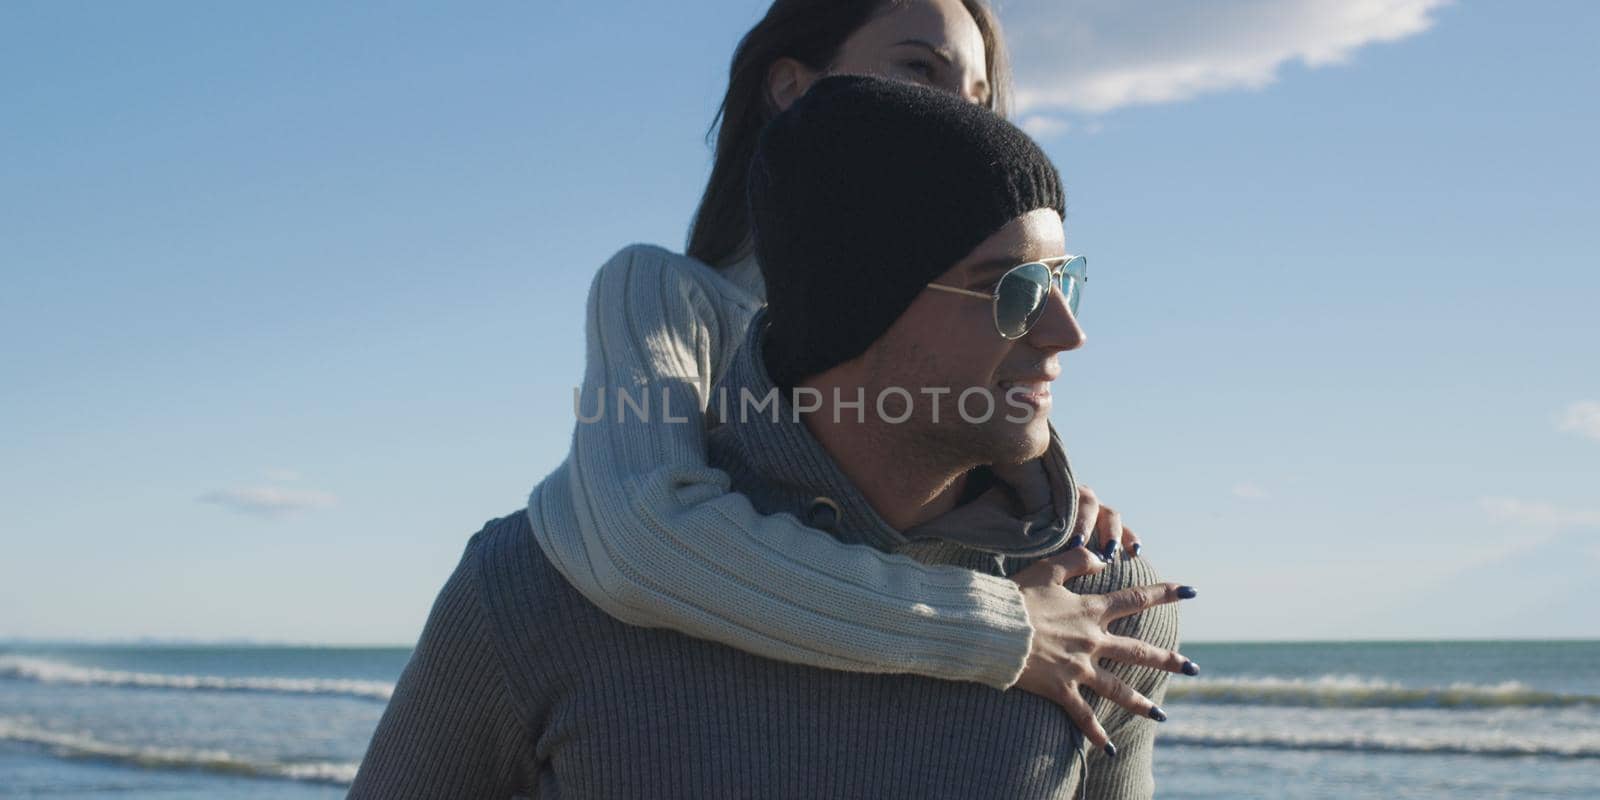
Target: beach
{"points": [[1290, 720]]}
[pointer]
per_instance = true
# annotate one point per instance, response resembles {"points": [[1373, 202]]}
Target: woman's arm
{"points": [[663, 543]]}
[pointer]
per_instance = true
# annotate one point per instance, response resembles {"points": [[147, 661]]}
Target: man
{"points": [[881, 212]]}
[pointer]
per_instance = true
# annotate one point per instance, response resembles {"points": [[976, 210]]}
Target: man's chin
{"points": [[1022, 443]]}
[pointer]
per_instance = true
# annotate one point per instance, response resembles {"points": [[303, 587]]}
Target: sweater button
{"points": [[823, 514]]}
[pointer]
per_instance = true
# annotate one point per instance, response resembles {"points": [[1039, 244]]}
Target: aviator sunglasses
{"points": [[1020, 295]]}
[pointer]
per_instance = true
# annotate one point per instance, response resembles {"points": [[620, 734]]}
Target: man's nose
{"points": [[1057, 329]]}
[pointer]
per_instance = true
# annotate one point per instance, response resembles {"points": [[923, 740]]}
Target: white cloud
{"points": [[1093, 56], [1518, 526], [1042, 127], [1249, 491], [271, 502], [1541, 515], [1582, 418]]}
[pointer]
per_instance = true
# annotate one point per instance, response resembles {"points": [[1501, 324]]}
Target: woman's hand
{"points": [[1070, 637], [1101, 526]]}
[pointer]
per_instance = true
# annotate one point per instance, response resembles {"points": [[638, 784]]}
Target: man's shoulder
{"points": [[514, 575], [521, 589], [541, 625]]}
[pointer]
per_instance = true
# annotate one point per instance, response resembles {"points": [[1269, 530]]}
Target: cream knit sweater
{"points": [[654, 520]]}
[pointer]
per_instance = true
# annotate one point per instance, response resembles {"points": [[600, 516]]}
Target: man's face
{"points": [[949, 341]]}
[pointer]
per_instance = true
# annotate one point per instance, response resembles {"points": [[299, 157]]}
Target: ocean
{"points": [[1313, 720]]}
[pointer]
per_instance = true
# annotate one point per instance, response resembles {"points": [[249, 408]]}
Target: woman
{"points": [[651, 510]]}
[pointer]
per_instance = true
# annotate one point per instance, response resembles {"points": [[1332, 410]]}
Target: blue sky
{"points": [[294, 297]]}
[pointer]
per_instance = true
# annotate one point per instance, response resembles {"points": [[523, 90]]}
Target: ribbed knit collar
{"points": [[1026, 510]]}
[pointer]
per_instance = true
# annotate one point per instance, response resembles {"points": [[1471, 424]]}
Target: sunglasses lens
{"points": [[1071, 290], [1073, 276], [1020, 299]]}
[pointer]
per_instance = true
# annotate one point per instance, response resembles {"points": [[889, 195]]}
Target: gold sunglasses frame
{"points": [[1056, 276]]}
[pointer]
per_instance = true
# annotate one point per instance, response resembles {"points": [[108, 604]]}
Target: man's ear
{"points": [[787, 80]]}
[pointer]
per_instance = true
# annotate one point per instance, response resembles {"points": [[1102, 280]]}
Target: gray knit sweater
{"points": [[520, 686]]}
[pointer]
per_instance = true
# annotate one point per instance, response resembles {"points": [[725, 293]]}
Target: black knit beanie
{"points": [[862, 192]]}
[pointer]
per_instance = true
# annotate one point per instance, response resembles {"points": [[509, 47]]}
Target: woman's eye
{"points": [[922, 69]]}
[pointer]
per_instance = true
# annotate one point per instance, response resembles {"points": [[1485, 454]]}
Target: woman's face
{"points": [[930, 42]]}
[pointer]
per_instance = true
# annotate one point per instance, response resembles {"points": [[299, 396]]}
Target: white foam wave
{"points": [[49, 671], [1354, 691], [83, 746], [1412, 743]]}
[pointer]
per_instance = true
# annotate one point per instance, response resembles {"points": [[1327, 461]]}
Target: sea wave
{"points": [[1352, 691], [1412, 744], [49, 671], [83, 746]]}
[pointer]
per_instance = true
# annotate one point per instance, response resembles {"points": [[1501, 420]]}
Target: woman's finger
{"points": [[1112, 688], [1088, 514], [1108, 532], [1131, 543], [1059, 568], [1083, 716], [1129, 650], [1132, 600]]}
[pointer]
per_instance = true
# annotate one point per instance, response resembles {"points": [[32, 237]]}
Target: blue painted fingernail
{"points": [[1135, 549], [1190, 668], [1111, 750], [1075, 541], [1186, 593], [1157, 714], [1111, 550]]}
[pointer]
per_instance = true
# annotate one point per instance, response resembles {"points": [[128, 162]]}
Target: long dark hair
{"points": [[810, 32]]}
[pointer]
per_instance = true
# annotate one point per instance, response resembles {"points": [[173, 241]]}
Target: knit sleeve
{"points": [[1129, 775], [451, 728], [662, 542]]}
